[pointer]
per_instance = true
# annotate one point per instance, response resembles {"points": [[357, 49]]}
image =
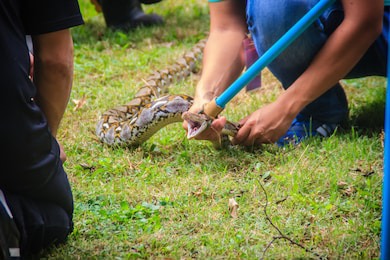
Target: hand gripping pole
{"points": [[217, 105]]}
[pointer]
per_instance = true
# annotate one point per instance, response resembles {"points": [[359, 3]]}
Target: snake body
{"points": [[151, 108], [136, 128]]}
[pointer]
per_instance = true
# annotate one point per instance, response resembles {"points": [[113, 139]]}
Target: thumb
{"points": [[219, 123]]}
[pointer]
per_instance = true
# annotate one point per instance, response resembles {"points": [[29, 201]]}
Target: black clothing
{"points": [[31, 175], [127, 14]]}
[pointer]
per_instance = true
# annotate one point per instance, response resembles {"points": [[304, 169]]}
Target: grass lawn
{"points": [[168, 199]]}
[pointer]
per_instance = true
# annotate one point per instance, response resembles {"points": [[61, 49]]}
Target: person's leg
{"points": [[126, 14], [268, 21], [98, 3], [40, 200], [32, 179], [42, 214], [41, 224]]}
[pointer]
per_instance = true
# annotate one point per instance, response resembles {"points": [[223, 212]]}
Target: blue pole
{"points": [[385, 243], [273, 52]]}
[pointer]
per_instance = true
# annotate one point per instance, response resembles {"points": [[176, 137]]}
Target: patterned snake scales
{"points": [[152, 108]]}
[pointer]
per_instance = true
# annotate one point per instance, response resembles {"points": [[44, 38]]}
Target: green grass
{"points": [[169, 197]]}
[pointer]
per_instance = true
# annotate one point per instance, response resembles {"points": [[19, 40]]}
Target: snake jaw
{"points": [[197, 123], [195, 129]]}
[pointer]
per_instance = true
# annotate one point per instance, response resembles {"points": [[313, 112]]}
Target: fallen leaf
{"points": [[349, 191], [346, 189], [342, 184], [233, 208], [79, 102], [266, 176], [198, 192]]}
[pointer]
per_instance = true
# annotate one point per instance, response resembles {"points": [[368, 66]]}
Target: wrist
{"points": [[292, 102], [204, 93]]}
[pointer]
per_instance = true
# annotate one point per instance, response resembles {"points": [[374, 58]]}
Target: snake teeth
{"points": [[197, 123]]}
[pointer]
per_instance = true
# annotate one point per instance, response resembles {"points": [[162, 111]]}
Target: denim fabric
{"points": [[268, 20]]}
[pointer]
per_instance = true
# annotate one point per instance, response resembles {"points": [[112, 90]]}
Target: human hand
{"points": [[211, 133], [199, 126], [266, 125], [31, 72], [62, 153]]}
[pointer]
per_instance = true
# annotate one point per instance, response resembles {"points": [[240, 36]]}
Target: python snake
{"points": [[152, 108]]}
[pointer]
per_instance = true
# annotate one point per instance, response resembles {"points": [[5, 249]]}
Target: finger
{"points": [[218, 124], [243, 121], [263, 138], [250, 140], [185, 125], [62, 153], [63, 157], [254, 136], [241, 135], [213, 133]]}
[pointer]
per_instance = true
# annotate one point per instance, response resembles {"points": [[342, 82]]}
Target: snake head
{"points": [[197, 123]]}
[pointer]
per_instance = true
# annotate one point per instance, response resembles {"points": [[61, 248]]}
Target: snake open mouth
{"points": [[197, 123]]}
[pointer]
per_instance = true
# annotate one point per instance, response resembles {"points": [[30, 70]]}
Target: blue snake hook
{"points": [[216, 106]]}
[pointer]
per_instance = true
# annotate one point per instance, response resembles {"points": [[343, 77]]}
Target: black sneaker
{"points": [[9, 233]]}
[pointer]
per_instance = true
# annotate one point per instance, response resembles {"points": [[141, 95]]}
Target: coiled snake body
{"points": [[150, 110]]}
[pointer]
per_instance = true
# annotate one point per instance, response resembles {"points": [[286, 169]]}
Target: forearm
{"points": [[53, 74], [222, 63], [342, 51], [222, 60]]}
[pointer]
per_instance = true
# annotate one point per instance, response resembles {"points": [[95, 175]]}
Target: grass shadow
{"points": [[370, 117], [367, 107]]}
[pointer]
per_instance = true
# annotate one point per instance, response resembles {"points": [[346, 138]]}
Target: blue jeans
{"points": [[268, 20]]}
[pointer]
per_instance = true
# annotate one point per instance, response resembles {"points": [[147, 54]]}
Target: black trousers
{"points": [[43, 212], [32, 176]]}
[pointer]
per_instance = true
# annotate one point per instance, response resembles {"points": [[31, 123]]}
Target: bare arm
{"points": [[53, 74], [222, 62], [344, 48]]}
